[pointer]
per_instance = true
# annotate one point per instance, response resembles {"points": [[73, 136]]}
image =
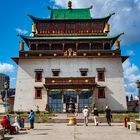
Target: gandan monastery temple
{"points": [[70, 57]]}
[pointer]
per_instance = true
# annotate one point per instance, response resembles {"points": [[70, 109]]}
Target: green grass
{"points": [[122, 115]]}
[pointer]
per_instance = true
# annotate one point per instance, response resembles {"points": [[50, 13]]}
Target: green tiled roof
{"points": [[70, 13]]}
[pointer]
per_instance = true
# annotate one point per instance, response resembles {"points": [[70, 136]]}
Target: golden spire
{"points": [[70, 4]]}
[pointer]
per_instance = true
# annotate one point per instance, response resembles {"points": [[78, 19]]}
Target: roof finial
{"points": [[70, 4]]}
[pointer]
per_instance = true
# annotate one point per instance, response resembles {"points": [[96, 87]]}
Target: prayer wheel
{"points": [[21, 46], [34, 28]]}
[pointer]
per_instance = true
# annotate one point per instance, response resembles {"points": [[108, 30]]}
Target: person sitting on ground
{"points": [[6, 124], [16, 123], [96, 114]]}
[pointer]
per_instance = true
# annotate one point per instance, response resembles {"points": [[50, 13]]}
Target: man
{"points": [[108, 115], [86, 115], [31, 119]]}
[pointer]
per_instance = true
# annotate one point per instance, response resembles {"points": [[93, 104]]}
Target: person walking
{"points": [[108, 115], [86, 115], [31, 119], [96, 114]]}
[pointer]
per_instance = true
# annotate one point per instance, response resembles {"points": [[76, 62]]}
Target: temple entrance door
{"points": [[70, 96]]}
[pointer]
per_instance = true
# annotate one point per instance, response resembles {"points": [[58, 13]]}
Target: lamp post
{"points": [[6, 89], [138, 86]]}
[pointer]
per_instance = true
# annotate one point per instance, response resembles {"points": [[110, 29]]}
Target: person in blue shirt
{"points": [[31, 118]]}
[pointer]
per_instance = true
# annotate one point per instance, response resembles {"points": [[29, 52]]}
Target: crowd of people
{"points": [[13, 127], [18, 123], [86, 113]]}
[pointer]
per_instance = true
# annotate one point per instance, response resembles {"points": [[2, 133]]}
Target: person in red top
{"points": [[6, 124]]}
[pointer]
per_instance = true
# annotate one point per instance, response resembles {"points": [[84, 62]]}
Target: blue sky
{"points": [[14, 20]]}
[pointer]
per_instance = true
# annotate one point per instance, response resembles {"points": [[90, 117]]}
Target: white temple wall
{"points": [[69, 67]]}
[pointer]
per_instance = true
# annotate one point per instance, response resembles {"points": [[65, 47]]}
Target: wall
{"points": [[69, 67]]}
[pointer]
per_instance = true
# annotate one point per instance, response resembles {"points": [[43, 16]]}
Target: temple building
{"points": [[70, 57]]}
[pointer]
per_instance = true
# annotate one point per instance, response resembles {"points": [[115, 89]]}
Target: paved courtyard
{"points": [[63, 132]]}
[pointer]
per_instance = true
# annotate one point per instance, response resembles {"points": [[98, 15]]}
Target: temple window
{"points": [[55, 72], [70, 46], [33, 47], [56, 47], [83, 71], [83, 46], [107, 46], [38, 93], [101, 74], [38, 75], [43, 47], [97, 46], [101, 92]]}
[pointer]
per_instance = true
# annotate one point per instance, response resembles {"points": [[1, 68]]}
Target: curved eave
{"points": [[36, 19], [15, 59], [113, 38], [124, 58]]}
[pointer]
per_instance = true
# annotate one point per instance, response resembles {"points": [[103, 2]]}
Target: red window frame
{"points": [[38, 76], [38, 93], [101, 76], [101, 93]]}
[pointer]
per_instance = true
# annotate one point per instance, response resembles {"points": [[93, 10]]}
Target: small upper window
{"points": [[38, 93], [101, 92], [55, 72], [84, 71], [38, 75], [101, 74]]}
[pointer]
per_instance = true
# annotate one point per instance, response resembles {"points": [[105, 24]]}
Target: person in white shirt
{"points": [[86, 115]]}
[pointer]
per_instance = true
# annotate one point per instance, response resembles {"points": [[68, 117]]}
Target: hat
{"points": [[86, 106]]}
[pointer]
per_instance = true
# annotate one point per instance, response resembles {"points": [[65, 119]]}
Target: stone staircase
{"points": [[64, 118]]}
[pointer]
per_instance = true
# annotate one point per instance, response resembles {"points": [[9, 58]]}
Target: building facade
{"points": [[3, 78], [70, 57]]}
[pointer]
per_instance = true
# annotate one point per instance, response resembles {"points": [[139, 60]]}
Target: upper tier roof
{"points": [[106, 18], [61, 14]]}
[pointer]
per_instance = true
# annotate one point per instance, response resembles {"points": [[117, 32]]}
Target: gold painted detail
{"points": [[69, 4], [34, 28], [113, 54], [40, 54], [107, 27], [21, 46], [70, 52], [117, 45], [55, 54], [26, 54]]}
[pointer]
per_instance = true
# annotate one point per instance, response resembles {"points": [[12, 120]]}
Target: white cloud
{"points": [[131, 75], [130, 52], [21, 31], [5, 67], [127, 16]]}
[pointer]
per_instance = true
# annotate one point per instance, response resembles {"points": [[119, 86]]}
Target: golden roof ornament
{"points": [[69, 4]]}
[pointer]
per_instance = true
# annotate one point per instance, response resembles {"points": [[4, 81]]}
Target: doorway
{"points": [[70, 97]]}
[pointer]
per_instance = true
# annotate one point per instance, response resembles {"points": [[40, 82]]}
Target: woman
{"points": [[96, 114], [6, 124], [31, 119]]}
